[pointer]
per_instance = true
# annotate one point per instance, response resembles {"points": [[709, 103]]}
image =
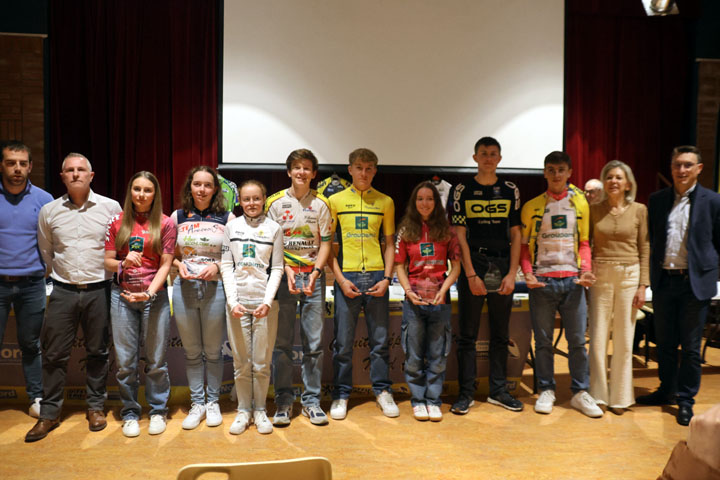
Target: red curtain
{"points": [[133, 86], [626, 89]]}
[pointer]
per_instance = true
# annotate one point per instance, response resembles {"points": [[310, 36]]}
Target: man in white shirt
{"points": [[71, 238]]}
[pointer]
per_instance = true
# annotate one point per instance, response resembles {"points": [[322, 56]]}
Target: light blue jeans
{"points": [[200, 318], [312, 317], [377, 318], [565, 296], [426, 339], [135, 325]]}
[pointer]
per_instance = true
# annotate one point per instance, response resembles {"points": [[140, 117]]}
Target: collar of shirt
{"points": [[688, 193], [558, 196], [15, 198], [91, 200]]}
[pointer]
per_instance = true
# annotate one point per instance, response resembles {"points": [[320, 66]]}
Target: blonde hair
{"points": [[630, 194]]}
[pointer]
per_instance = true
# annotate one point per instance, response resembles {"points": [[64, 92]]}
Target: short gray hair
{"points": [[75, 155]]}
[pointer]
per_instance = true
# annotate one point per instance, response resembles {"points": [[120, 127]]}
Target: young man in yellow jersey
{"points": [[363, 270]]}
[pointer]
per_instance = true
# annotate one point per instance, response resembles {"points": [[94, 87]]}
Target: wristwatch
{"points": [[389, 279], [320, 272]]}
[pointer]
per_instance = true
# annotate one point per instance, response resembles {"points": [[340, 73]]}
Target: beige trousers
{"points": [[611, 311], [252, 341]]}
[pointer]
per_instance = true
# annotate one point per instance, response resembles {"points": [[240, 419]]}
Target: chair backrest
{"points": [[308, 468]]}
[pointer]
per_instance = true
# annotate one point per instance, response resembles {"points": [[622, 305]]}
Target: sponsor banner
{"points": [[12, 383]]}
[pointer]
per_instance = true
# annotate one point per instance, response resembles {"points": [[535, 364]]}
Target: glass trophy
{"points": [[493, 277], [426, 288]]}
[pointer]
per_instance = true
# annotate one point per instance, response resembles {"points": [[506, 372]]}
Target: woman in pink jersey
{"points": [[139, 247], [424, 245]]}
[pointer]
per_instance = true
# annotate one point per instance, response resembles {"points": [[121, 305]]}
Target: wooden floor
{"points": [[489, 442]]}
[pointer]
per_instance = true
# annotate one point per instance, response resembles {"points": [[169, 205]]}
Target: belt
{"points": [[303, 269], [18, 278], [82, 287], [673, 272], [491, 252]]}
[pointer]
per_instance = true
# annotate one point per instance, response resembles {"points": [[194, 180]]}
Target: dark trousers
{"points": [[679, 320], [470, 308], [66, 309]]}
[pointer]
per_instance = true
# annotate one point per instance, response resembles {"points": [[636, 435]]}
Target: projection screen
{"points": [[417, 81]]}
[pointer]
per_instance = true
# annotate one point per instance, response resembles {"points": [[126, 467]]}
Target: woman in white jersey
{"points": [[252, 244], [198, 296]]}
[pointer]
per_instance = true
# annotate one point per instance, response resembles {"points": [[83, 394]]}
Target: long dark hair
{"points": [[410, 227], [217, 202]]}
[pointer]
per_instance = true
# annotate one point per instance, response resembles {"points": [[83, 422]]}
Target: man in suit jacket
{"points": [[685, 245]]}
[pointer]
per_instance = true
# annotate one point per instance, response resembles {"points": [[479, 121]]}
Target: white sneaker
{"points": [[420, 412], [282, 415], [262, 422], [34, 410], [194, 417], [131, 428], [387, 404], [338, 409], [434, 413], [545, 402], [213, 416], [586, 404], [157, 424], [240, 424]]}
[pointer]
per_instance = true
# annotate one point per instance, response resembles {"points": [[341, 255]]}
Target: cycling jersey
{"points": [[305, 223], [199, 237], [251, 246], [359, 218]]}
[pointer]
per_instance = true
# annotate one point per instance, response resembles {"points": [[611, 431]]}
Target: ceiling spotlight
{"points": [[660, 7]]}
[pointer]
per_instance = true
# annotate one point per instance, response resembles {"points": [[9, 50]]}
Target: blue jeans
{"points": [[347, 311], [134, 325], [568, 298], [28, 300], [200, 318], [312, 317], [679, 320], [426, 340]]}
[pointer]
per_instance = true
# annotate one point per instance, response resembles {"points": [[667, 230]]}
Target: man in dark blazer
{"points": [[685, 246]]}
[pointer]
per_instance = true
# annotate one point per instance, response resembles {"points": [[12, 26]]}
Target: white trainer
{"points": [[194, 417], [420, 412], [282, 415], [434, 413], [387, 404], [34, 410], [131, 428], [262, 422], [585, 403], [240, 424], [545, 402], [338, 409], [213, 416], [157, 424]]}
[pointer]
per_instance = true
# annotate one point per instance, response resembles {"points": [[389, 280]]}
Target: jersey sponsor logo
{"points": [[302, 232], [136, 244], [487, 208], [248, 251], [558, 221], [427, 249], [361, 222], [287, 215]]}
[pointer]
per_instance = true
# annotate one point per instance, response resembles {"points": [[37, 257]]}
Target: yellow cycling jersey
{"points": [[359, 218]]}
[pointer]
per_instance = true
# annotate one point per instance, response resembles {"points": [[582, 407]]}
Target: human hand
{"points": [[209, 272], [238, 311], [507, 286], [477, 286], [133, 259], [349, 289], [414, 298], [379, 289], [261, 311], [532, 282], [586, 279], [639, 298]]}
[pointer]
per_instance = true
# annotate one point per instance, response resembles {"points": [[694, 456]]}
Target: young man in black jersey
{"points": [[486, 214]]}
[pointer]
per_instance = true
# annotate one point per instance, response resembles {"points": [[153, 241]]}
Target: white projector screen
{"points": [[416, 81]]}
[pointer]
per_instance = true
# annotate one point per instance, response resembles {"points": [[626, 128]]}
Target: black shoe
{"points": [[685, 413], [462, 406], [507, 401], [656, 398]]}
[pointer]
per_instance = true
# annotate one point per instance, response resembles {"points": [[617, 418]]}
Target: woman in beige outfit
{"points": [[619, 236]]}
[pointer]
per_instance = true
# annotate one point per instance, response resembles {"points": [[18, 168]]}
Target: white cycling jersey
{"points": [[251, 248]]}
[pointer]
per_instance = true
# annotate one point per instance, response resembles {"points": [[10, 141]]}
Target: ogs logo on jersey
{"points": [[487, 208]]}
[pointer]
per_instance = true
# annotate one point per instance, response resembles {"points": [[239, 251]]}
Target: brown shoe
{"points": [[96, 420], [41, 429]]}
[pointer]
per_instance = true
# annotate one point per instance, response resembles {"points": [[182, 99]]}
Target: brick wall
{"points": [[22, 103], [707, 116]]}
